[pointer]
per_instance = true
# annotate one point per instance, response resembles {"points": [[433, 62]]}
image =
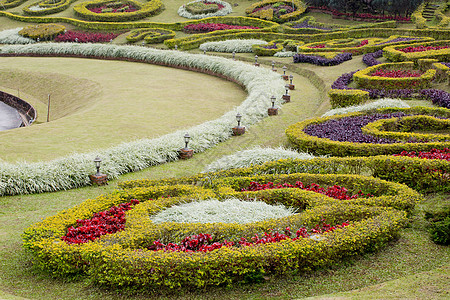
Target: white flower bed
{"points": [[72, 171], [255, 156], [227, 9], [231, 210], [284, 54], [386, 102], [12, 36], [238, 46]]}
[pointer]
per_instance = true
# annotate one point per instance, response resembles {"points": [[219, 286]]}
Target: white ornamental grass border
{"points": [[227, 9], [254, 156], [284, 54], [382, 103], [12, 36], [72, 171], [238, 46], [231, 210]]}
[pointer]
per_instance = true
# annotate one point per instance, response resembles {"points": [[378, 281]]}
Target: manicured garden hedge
{"points": [[150, 35], [124, 258], [393, 53], [5, 4], [300, 8], [324, 146], [46, 7]]}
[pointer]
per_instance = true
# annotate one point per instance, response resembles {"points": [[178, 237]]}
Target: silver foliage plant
{"points": [[254, 156], [227, 9], [72, 171], [284, 54], [12, 36], [382, 103], [230, 210], [238, 46]]}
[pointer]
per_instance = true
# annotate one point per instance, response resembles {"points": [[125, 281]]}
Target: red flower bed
{"points": [[208, 27], [363, 43], [334, 191], [318, 46], [85, 37], [396, 73], [367, 16], [105, 222], [422, 48], [433, 154], [204, 243], [105, 9]]}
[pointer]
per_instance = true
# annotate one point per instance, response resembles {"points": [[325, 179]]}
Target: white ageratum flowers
{"points": [[72, 171], [227, 9], [382, 103], [230, 210], [229, 46], [254, 156], [12, 36]]}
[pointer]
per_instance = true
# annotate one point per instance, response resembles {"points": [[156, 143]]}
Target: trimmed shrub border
{"points": [[393, 54], [150, 35], [299, 6], [121, 259], [73, 170], [46, 7], [321, 146], [227, 9]]}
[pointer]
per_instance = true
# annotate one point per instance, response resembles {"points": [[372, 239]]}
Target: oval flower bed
{"points": [[150, 35], [200, 9], [144, 253], [343, 135], [276, 10], [85, 37]]}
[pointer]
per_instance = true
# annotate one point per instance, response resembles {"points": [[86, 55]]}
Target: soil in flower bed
{"points": [[443, 154], [348, 129], [205, 242], [335, 191]]}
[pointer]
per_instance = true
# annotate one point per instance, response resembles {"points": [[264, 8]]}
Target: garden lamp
{"points": [[273, 101], [290, 79], [187, 137], [256, 59], [286, 87], [273, 65], [234, 54], [238, 119], [284, 70], [97, 162]]}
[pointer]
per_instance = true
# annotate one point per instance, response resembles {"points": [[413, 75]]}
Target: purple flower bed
{"points": [[445, 64], [321, 61], [305, 24], [273, 46], [370, 59], [437, 97], [348, 129], [396, 41]]}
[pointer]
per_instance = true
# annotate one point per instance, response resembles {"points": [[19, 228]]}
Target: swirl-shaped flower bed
{"points": [[343, 135], [42, 31], [435, 50], [150, 35], [200, 9], [146, 253], [277, 11], [92, 10], [5, 4], [46, 7]]}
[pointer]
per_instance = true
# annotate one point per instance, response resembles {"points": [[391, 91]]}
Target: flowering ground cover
{"points": [[85, 37], [433, 154], [422, 48], [364, 16], [339, 58], [209, 27], [113, 9], [200, 9], [397, 73]]}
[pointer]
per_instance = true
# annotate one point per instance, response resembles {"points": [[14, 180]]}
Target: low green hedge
{"points": [[268, 14], [364, 80], [150, 35], [321, 146], [343, 98], [42, 31], [47, 7], [5, 4], [122, 260], [260, 50], [393, 54], [144, 10]]}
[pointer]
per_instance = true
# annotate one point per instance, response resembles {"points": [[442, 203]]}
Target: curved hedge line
{"points": [[5, 4], [364, 80], [122, 259], [393, 54], [47, 7], [299, 5], [150, 8], [150, 35], [322, 146], [72, 171]]}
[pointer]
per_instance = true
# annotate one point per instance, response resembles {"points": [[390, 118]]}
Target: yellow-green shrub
{"points": [[261, 51], [343, 98], [150, 35], [393, 54], [47, 7], [42, 31], [268, 14], [5, 4]]}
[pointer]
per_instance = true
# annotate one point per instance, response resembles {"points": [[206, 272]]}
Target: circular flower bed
{"points": [[347, 135], [143, 253], [200, 9], [116, 11], [46, 7], [277, 11]]}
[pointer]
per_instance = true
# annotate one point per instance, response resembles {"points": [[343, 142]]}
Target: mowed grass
{"points": [[98, 104]]}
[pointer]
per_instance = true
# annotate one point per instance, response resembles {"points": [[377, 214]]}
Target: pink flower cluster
{"points": [[122, 9], [208, 27], [443, 154], [422, 48], [85, 37], [396, 73]]}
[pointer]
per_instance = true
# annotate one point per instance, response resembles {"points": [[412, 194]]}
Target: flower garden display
{"points": [[117, 11], [12, 36], [150, 35], [229, 46], [323, 59], [46, 7], [269, 49], [85, 37], [413, 52], [360, 16], [5, 4], [277, 11], [200, 9], [72, 171], [363, 136], [42, 31], [143, 253]]}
